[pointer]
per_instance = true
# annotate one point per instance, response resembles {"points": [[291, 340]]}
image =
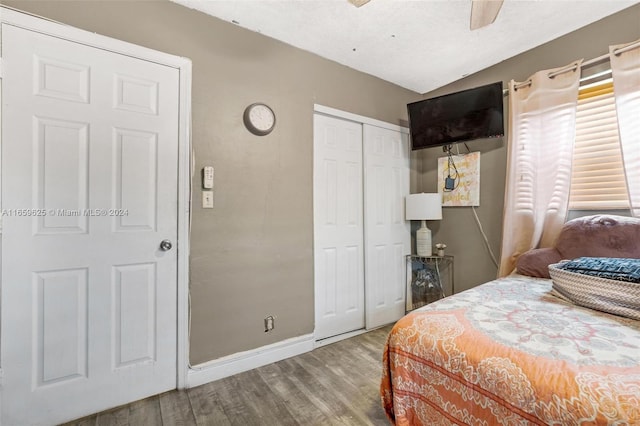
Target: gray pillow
{"points": [[535, 262]]}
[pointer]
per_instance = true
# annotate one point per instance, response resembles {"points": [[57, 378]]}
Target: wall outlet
{"points": [[269, 323]]}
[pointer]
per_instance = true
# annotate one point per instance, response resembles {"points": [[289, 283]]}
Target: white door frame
{"points": [[358, 118], [16, 18]]}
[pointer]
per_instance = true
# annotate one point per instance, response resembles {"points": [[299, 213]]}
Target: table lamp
{"points": [[423, 207]]}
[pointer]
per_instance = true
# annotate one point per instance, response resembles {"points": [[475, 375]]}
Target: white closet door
{"points": [[89, 188], [338, 231], [387, 234]]}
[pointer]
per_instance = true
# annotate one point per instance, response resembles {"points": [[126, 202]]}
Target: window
{"points": [[597, 178]]}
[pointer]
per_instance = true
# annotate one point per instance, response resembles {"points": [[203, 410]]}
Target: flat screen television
{"points": [[457, 117]]}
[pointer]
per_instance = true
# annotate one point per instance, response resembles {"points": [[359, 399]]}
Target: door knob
{"points": [[165, 245]]}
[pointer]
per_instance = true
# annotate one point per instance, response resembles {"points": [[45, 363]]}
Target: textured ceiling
{"points": [[417, 44]]}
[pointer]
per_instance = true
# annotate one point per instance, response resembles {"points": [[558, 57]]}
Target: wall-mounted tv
{"points": [[457, 117]]}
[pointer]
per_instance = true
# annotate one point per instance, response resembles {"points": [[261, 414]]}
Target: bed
{"points": [[511, 352]]}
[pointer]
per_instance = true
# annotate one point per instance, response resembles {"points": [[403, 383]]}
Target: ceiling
{"points": [[417, 44]]}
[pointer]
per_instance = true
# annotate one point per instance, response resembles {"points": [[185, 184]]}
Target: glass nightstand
{"points": [[429, 278]]}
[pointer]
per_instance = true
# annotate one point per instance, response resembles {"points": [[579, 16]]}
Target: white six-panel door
{"points": [[338, 229], [361, 176], [89, 191], [387, 233]]}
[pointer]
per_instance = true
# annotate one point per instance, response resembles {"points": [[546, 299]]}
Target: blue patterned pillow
{"points": [[613, 268]]}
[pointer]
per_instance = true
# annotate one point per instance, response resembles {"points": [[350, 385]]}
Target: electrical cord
{"points": [[451, 165], [484, 236]]}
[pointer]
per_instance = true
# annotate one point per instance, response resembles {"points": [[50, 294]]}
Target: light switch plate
{"points": [[207, 199]]}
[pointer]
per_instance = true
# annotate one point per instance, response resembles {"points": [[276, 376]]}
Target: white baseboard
{"points": [[248, 360]]}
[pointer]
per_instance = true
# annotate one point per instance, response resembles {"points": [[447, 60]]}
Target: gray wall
{"points": [[251, 256], [458, 228]]}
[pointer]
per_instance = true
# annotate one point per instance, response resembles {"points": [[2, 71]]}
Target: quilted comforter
{"points": [[510, 353]]}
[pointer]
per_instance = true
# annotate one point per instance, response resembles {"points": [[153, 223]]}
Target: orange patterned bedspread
{"points": [[509, 353]]}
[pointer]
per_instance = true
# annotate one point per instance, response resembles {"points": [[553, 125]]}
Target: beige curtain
{"points": [[625, 65], [541, 135]]}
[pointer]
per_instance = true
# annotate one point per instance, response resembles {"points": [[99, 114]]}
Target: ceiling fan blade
{"points": [[358, 3], [484, 12]]}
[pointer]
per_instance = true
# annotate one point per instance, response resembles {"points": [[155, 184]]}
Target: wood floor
{"points": [[335, 384]]}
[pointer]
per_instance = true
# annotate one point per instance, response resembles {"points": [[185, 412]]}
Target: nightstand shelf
{"points": [[429, 278]]}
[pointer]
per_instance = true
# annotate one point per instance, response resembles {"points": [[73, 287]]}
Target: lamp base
{"points": [[423, 241]]}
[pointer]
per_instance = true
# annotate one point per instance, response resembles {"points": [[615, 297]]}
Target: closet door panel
{"points": [[338, 226], [387, 233]]}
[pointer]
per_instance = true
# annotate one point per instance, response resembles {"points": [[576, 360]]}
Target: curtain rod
{"points": [[585, 64]]}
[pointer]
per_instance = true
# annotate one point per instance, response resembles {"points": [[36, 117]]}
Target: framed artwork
{"points": [[459, 180]]}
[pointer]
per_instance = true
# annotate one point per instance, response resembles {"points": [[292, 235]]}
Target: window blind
{"points": [[597, 177]]}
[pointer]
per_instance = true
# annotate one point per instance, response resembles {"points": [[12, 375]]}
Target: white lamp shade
{"points": [[423, 206]]}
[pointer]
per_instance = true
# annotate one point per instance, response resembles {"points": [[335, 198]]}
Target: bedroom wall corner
{"points": [[458, 228]]}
